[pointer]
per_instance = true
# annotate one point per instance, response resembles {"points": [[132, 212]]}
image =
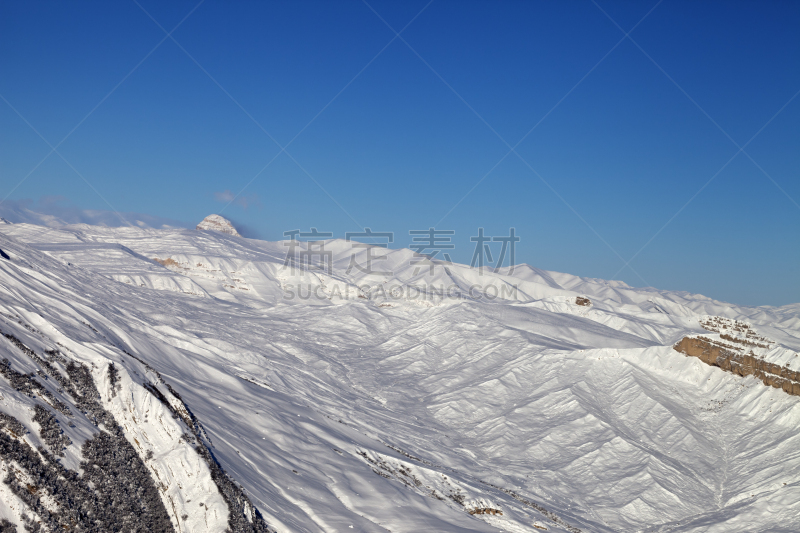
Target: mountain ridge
{"points": [[459, 403]]}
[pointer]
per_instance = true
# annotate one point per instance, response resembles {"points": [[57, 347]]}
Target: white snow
{"points": [[341, 398], [218, 223]]}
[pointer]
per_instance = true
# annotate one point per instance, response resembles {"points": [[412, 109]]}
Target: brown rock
{"points": [[713, 354], [702, 348]]}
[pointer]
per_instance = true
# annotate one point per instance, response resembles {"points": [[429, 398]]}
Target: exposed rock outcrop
{"points": [[735, 331], [218, 223], [114, 489], [485, 510], [168, 262], [727, 358]]}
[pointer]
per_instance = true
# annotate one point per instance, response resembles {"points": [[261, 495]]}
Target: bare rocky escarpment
{"points": [[731, 356]]}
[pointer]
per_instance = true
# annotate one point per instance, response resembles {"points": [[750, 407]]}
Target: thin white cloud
{"points": [[226, 197], [56, 211]]}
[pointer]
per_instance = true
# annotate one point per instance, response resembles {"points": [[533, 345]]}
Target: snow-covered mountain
{"points": [[183, 380], [218, 223]]}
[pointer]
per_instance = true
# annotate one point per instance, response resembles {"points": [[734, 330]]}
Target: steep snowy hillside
{"points": [[182, 380]]}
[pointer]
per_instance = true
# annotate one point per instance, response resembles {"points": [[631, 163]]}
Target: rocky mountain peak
{"points": [[218, 223]]}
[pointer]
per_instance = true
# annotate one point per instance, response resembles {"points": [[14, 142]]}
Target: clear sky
{"points": [[624, 148]]}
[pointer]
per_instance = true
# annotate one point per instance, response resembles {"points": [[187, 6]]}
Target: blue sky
{"points": [[619, 134]]}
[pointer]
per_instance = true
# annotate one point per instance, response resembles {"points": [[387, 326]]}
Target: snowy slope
{"points": [[428, 399]]}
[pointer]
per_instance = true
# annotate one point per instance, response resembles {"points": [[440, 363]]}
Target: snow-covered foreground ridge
{"points": [[182, 380]]}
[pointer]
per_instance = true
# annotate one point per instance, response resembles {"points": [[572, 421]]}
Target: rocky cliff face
{"points": [[218, 223], [119, 484], [730, 353]]}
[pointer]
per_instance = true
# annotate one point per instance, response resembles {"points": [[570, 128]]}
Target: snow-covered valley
{"points": [[264, 396]]}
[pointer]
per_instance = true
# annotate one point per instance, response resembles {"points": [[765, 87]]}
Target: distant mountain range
{"points": [[192, 380]]}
